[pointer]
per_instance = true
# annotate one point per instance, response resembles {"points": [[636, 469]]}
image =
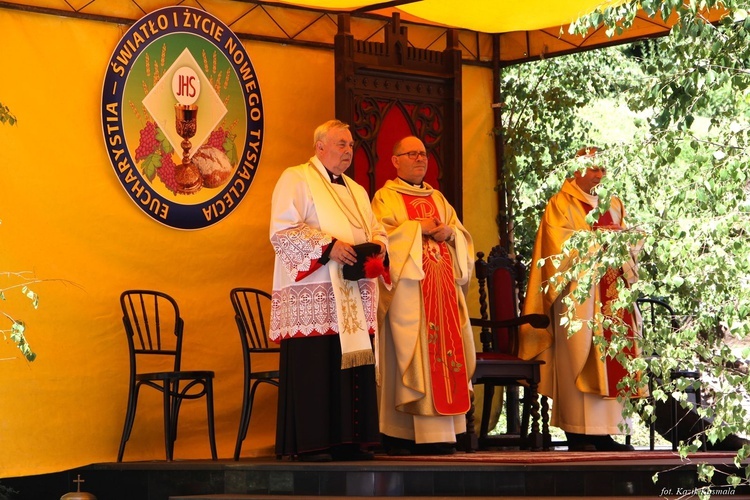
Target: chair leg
{"points": [[210, 409], [546, 437], [129, 419], [673, 422], [511, 409], [244, 423], [247, 412], [484, 424], [468, 441], [652, 422], [244, 417], [168, 425], [698, 402], [174, 416], [532, 438], [536, 439], [651, 436], [525, 414]]}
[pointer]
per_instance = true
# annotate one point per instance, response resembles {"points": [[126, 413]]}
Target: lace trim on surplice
{"points": [[301, 310], [299, 248]]}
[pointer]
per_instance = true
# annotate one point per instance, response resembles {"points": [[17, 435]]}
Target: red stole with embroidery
{"points": [[450, 387], [614, 371]]}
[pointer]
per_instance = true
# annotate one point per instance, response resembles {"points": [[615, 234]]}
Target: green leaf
{"points": [[166, 146], [6, 116], [230, 148], [150, 164]]}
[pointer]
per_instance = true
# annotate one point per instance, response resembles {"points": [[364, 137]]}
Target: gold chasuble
{"points": [[425, 347], [581, 382], [448, 376]]}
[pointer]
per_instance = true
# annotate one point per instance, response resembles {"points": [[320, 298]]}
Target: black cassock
{"points": [[321, 405]]}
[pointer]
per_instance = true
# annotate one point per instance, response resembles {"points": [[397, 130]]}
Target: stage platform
{"points": [[496, 474]]}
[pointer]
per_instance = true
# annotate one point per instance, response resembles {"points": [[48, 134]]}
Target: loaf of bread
{"points": [[214, 166]]}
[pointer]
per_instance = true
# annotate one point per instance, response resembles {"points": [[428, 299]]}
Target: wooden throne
{"points": [[388, 90]]}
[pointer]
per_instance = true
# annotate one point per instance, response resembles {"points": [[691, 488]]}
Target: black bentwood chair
{"points": [[154, 329], [673, 423], [252, 307]]}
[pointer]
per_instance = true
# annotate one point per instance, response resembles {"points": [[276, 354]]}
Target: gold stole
{"points": [[337, 220]]}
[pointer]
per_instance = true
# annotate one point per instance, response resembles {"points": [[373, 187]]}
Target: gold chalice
{"points": [[187, 175]]}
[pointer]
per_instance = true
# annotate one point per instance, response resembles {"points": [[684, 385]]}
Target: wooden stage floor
{"points": [[495, 474]]}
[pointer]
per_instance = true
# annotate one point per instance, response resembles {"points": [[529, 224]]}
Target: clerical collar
{"points": [[420, 185], [335, 179]]}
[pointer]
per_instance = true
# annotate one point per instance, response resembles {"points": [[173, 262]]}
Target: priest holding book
{"points": [[426, 344], [330, 252]]}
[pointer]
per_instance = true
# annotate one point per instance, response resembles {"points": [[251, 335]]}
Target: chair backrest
{"points": [[502, 277], [252, 309], [657, 316], [154, 329]]}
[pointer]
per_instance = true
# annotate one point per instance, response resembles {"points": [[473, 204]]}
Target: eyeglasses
{"points": [[413, 155]]}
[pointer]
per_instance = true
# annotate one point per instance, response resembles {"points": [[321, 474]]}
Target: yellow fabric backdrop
{"points": [[66, 217], [489, 16]]}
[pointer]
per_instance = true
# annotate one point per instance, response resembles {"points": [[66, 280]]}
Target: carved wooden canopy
{"points": [[389, 90]]}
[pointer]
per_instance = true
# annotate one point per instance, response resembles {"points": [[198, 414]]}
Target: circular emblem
{"points": [[182, 117]]}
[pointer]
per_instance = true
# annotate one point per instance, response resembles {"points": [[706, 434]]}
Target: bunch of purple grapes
{"points": [[166, 172], [217, 138], [148, 143]]}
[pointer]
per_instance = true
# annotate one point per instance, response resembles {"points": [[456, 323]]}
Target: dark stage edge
{"points": [[264, 479]]}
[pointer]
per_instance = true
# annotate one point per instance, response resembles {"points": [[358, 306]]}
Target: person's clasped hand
{"points": [[381, 254], [343, 253], [428, 225], [440, 232]]}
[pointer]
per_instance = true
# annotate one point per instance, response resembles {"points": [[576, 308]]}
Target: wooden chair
{"points": [[154, 330], [252, 308], [500, 280]]}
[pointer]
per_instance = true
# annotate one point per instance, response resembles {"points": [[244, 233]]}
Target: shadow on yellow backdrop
{"points": [[66, 217]]}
